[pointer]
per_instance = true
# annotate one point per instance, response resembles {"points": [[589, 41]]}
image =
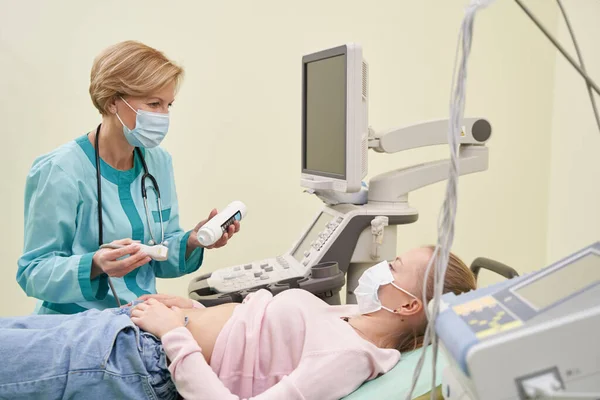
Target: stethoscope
{"points": [[145, 176]]}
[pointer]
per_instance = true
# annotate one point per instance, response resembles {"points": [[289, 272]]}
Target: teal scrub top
{"points": [[61, 228]]}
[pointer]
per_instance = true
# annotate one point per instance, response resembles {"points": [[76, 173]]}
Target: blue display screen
{"points": [[236, 217]]}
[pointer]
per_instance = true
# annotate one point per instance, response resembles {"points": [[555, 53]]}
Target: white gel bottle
{"points": [[212, 231]]}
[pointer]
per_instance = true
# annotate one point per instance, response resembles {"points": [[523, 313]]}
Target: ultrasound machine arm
{"points": [[394, 185], [475, 131]]}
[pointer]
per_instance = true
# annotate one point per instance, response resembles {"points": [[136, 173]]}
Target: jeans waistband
{"points": [[155, 360]]}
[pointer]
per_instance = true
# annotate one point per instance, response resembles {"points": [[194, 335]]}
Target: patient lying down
{"points": [[289, 346]]}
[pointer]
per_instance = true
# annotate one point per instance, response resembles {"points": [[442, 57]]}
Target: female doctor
{"points": [[112, 185]]}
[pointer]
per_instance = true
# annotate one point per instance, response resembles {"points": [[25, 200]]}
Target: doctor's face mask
{"points": [[150, 128], [366, 293]]}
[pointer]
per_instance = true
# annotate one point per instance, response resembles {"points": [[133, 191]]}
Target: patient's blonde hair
{"points": [[130, 68], [459, 279]]}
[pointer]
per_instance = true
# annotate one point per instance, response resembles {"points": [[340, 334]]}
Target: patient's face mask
{"points": [[368, 287], [150, 128]]}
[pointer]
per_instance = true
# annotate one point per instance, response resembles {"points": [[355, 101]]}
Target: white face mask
{"points": [[368, 287], [150, 128]]}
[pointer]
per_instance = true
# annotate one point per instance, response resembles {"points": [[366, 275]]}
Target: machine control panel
{"points": [[295, 263], [503, 306], [519, 304]]}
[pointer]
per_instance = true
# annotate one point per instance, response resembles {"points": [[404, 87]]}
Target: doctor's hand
{"points": [[156, 318], [107, 260], [232, 230]]}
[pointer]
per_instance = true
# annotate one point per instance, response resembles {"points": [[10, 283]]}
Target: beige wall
{"points": [[574, 202], [236, 121]]}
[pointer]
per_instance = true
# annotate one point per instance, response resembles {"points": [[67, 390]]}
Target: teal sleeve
{"points": [[177, 264], [48, 270]]}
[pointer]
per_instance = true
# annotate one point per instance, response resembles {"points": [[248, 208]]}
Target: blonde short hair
{"points": [[130, 68]]}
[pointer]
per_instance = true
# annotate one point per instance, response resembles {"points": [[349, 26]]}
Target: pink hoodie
{"points": [[287, 347]]}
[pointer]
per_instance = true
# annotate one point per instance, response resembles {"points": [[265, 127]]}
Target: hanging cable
{"points": [[447, 216], [580, 57]]}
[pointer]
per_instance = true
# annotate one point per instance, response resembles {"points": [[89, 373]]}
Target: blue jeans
{"points": [[91, 355]]}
